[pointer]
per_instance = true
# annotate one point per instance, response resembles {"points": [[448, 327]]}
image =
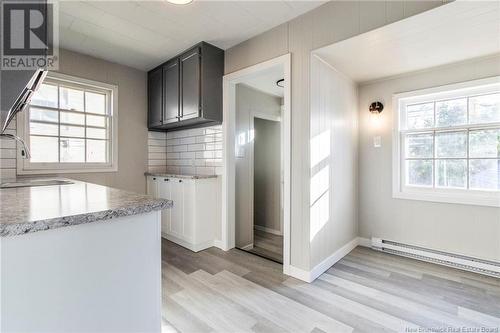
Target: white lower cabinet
{"points": [[191, 221]]}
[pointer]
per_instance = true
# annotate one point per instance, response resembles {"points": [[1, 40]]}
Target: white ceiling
{"points": [[143, 34], [266, 81], [455, 32]]}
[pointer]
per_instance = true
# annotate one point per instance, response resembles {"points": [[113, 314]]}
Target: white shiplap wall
{"points": [[8, 154], [192, 151]]}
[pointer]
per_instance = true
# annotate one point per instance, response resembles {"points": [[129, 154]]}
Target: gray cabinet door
{"points": [[155, 98], [171, 92], [190, 84]]}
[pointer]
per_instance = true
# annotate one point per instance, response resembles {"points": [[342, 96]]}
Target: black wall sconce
{"points": [[376, 107]]}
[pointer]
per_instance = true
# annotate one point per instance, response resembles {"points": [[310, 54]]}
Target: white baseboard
{"points": [[247, 247], [220, 245], [187, 245], [269, 230], [313, 274], [299, 273]]}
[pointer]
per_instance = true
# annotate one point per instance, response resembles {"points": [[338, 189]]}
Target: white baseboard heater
{"points": [[480, 266]]}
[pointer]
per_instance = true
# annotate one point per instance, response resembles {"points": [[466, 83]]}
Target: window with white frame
{"points": [[448, 143], [70, 126]]}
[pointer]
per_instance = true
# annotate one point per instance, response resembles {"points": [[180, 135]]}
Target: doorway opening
{"points": [[256, 182]]}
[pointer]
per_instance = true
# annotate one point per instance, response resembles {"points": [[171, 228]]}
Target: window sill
{"points": [[477, 198]]}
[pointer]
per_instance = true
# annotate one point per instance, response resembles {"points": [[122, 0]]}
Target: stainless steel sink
{"points": [[35, 182]]}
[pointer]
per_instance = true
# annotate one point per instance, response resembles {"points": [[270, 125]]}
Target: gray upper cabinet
{"points": [[190, 86], [190, 90], [171, 92], [155, 98]]}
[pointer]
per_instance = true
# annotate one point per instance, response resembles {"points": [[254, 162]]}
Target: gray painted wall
{"points": [[327, 24], [267, 174], [248, 102], [463, 229]]}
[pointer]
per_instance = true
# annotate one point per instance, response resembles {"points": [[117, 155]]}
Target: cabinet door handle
{"points": [[154, 178], [180, 180]]}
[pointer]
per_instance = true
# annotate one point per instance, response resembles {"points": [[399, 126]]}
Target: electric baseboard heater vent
{"points": [[475, 265]]}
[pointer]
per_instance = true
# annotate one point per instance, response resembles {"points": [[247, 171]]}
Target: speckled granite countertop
{"points": [[31, 209], [159, 174]]}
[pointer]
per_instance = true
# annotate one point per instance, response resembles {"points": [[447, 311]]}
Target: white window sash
{"points": [[25, 167], [432, 193]]}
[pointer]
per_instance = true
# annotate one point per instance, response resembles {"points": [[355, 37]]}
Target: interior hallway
{"points": [[367, 291], [267, 245]]}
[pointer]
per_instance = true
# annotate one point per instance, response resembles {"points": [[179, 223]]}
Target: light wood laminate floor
{"points": [[367, 291], [267, 245]]}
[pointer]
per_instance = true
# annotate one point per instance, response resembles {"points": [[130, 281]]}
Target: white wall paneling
{"points": [[334, 159]]}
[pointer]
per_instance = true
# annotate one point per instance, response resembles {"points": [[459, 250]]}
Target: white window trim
{"points": [[24, 167], [457, 196]]}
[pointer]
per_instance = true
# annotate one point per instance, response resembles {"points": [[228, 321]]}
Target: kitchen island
{"points": [[79, 257]]}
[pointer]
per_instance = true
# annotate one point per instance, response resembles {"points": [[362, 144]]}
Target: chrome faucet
{"points": [[25, 150]]}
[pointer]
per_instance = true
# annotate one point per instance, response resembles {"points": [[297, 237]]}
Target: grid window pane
{"points": [[484, 109], [484, 174], [451, 113], [44, 115], [451, 144], [43, 129], [420, 146], [95, 103], [44, 149], [96, 133], [69, 124], [46, 95], [97, 151], [71, 99], [72, 118], [420, 116], [451, 173], [97, 121], [72, 150], [72, 131], [484, 143], [419, 172]]}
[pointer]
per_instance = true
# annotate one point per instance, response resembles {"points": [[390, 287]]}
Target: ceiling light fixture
{"points": [[180, 2]]}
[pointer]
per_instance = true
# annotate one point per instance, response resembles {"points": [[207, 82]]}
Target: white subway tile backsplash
{"points": [[205, 170], [7, 143], [179, 148], [187, 155], [187, 140], [157, 156], [8, 153], [7, 173], [213, 146], [157, 142], [173, 169], [173, 156], [196, 147], [8, 163], [192, 151], [187, 170]]}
